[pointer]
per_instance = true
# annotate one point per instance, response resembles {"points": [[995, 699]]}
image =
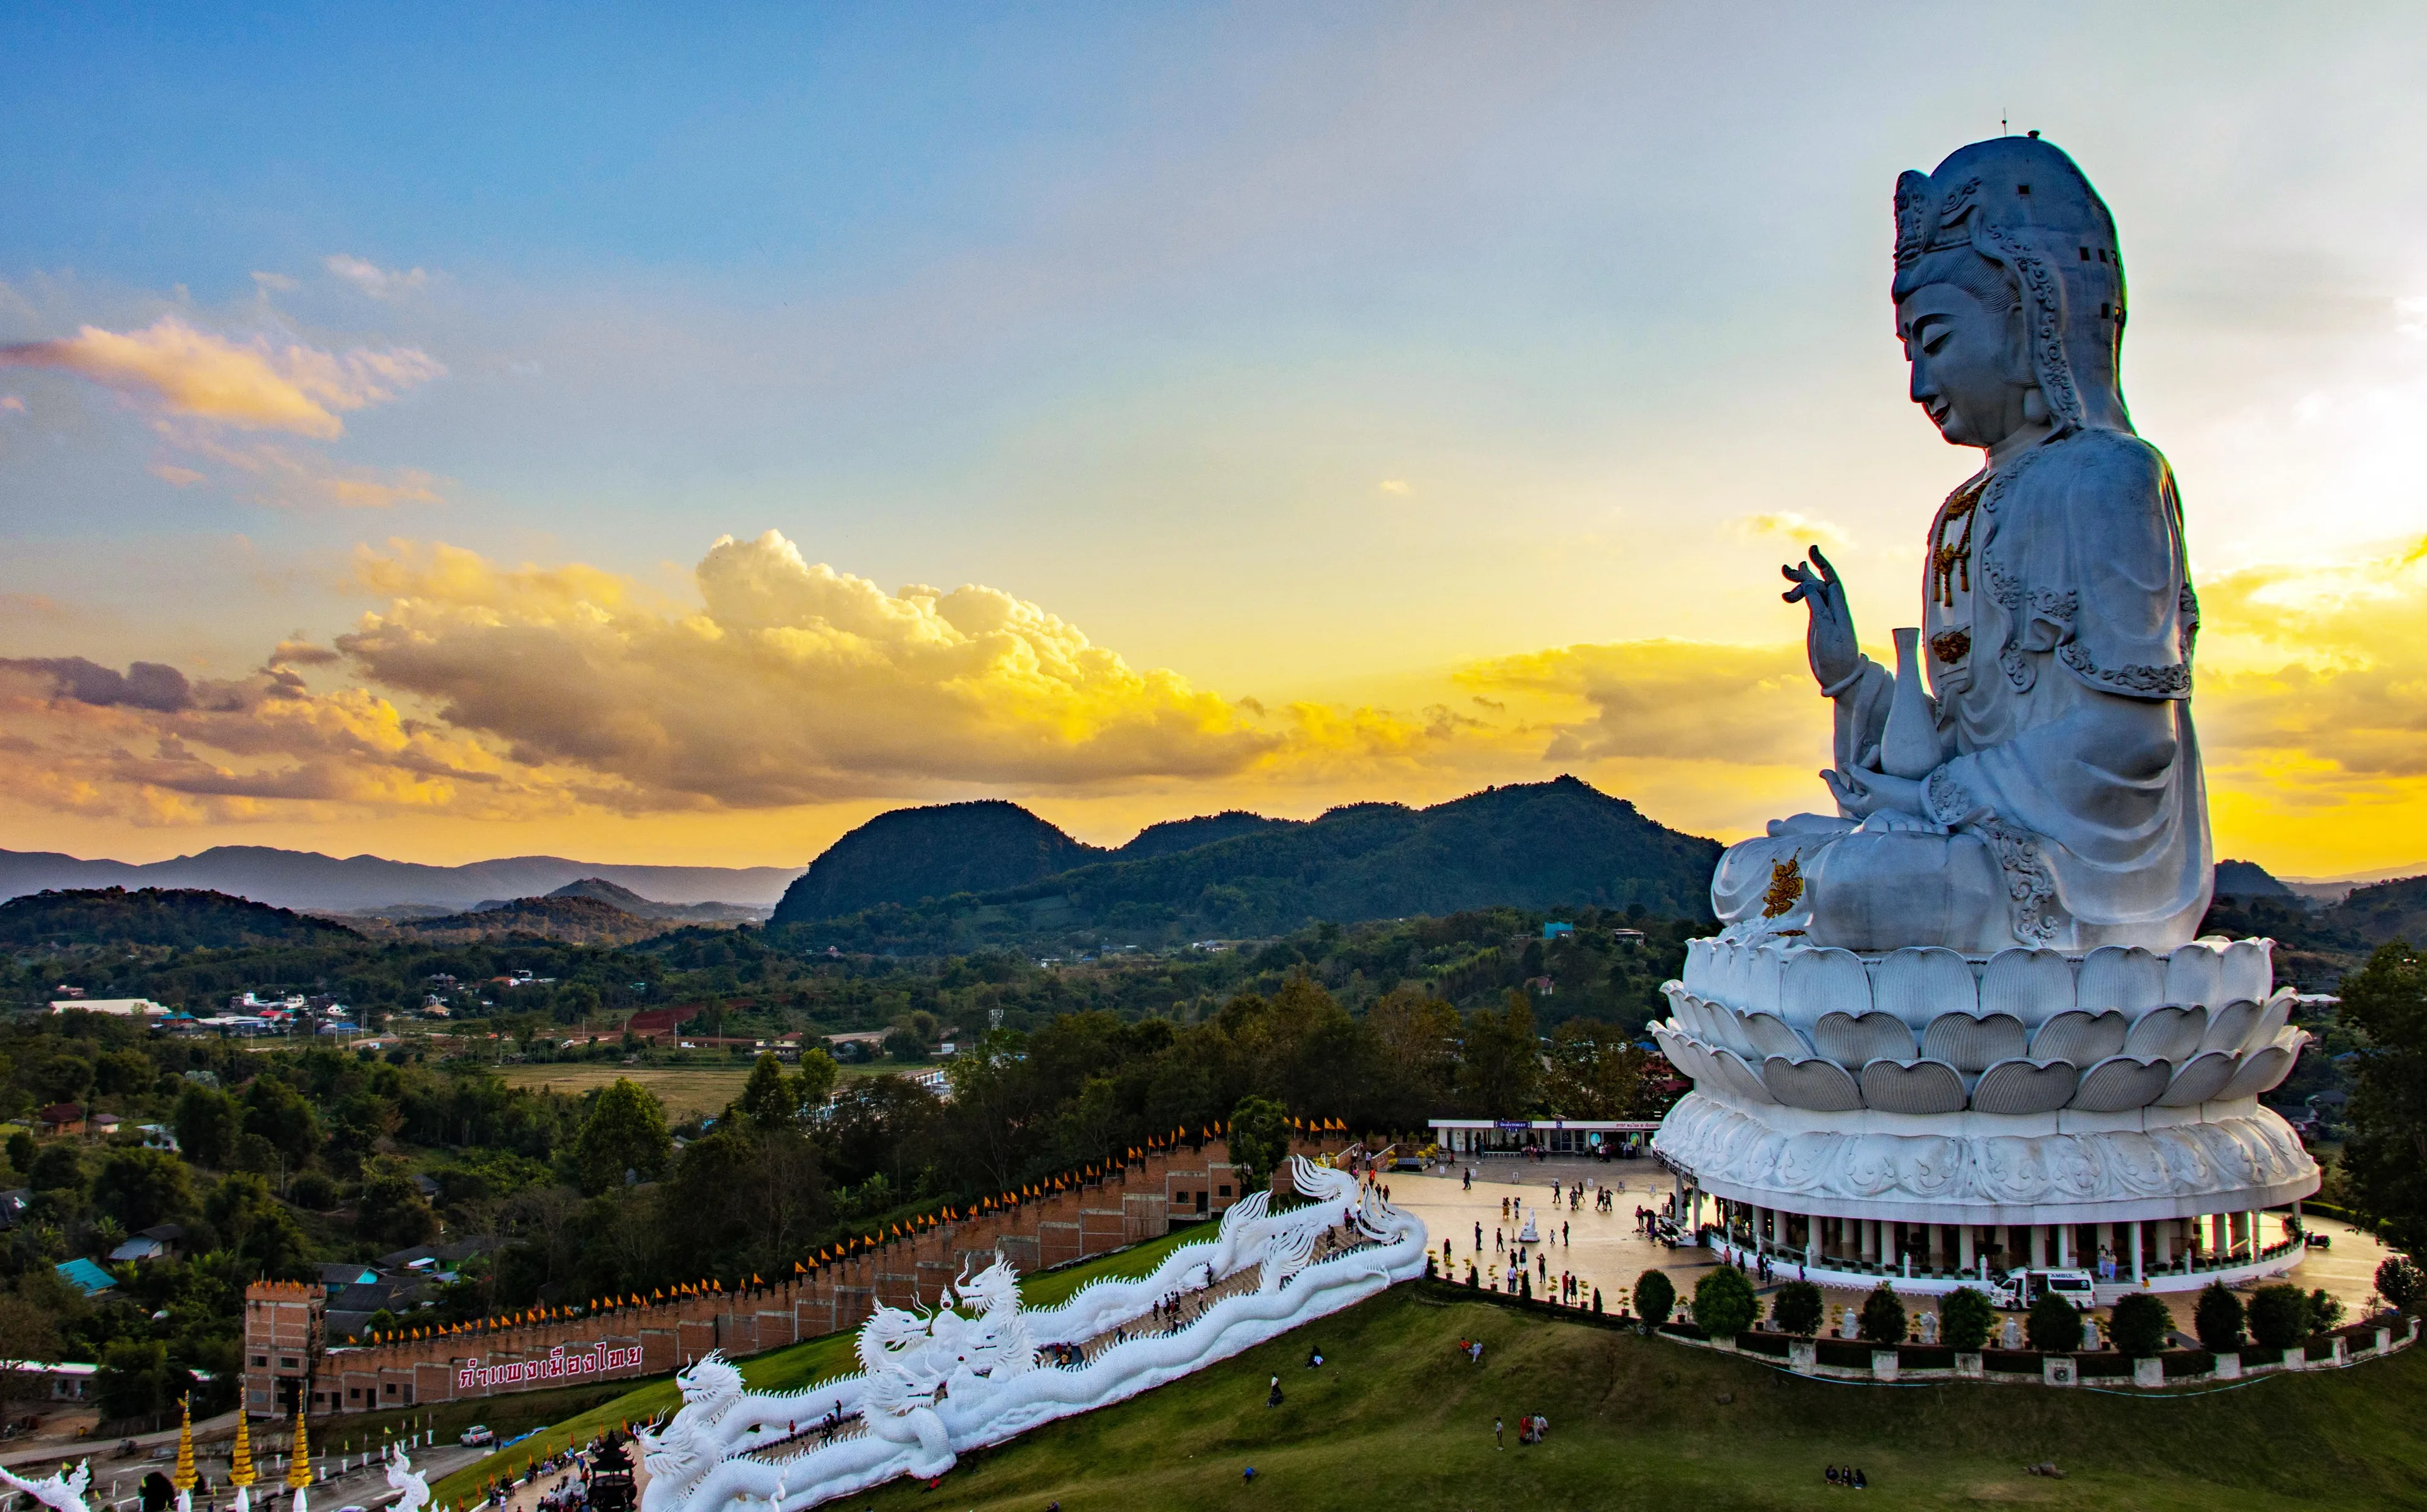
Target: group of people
{"points": [[1849, 1477]]}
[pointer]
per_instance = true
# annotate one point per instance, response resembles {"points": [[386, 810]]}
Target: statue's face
{"points": [[1968, 372]]}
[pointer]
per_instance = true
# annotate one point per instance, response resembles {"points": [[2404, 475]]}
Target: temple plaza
{"points": [[1608, 1251]]}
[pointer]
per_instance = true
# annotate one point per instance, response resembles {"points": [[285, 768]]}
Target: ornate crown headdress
{"points": [[2025, 205]]}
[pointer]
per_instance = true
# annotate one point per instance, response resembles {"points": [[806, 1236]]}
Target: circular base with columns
{"points": [[1924, 1117]]}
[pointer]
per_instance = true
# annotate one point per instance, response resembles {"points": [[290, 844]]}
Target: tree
{"points": [[121, 1072], [57, 1168], [1725, 1305], [903, 1046], [814, 1083], [135, 1379], [21, 1150], [627, 1131], [769, 1099], [1259, 1140], [391, 1208], [278, 1113], [2140, 1324], [28, 1331], [142, 1187], [1965, 1319], [256, 1225], [2216, 1317], [2398, 1281], [1798, 1308], [1501, 1075], [1415, 1039], [2279, 1315], [1654, 1295], [2053, 1325], [1884, 1316], [207, 1121], [1596, 1070], [2385, 1161]]}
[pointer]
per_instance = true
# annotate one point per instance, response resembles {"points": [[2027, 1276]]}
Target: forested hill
{"points": [[172, 916], [1528, 846]]}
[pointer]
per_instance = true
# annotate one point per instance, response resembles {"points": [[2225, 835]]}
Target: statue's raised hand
{"points": [[1828, 642]]}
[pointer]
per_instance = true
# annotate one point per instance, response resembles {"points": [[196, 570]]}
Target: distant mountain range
{"points": [[369, 883], [993, 869], [186, 918]]}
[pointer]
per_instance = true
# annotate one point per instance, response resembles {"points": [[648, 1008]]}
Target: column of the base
{"points": [[1811, 1239], [2064, 1247], [2139, 1275], [1963, 1248]]}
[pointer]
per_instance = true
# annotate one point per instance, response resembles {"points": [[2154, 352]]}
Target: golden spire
{"points": [[184, 1479], [240, 1462], [298, 1462]]}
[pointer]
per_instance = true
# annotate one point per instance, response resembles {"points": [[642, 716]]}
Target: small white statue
{"points": [[1929, 1327], [1529, 1234], [1849, 1324], [2011, 1336]]}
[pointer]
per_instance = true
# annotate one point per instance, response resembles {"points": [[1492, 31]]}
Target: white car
{"points": [[477, 1436]]}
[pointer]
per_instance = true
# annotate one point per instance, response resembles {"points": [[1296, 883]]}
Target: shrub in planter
{"points": [[1882, 1316], [2216, 1317], [2279, 1316], [1655, 1294], [2053, 1328], [2400, 1281], [1725, 1305], [2325, 1310], [1798, 1308], [1965, 1318], [2139, 1324]]}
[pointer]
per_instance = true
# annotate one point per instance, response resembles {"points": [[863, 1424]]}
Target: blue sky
{"points": [[1321, 357]]}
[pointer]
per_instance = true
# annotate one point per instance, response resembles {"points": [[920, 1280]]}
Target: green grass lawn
{"points": [[779, 1370], [1397, 1421]]}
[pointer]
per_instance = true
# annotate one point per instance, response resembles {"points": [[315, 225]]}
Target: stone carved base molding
{"points": [[1961, 1169]]}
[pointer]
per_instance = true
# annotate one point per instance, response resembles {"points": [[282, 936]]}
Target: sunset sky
{"points": [[655, 437]]}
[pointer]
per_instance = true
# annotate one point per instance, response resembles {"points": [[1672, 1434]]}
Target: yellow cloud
{"points": [[791, 683], [249, 385], [536, 694], [1786, 525]]}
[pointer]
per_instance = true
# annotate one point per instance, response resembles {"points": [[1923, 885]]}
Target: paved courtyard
{"points": [[1610, 1252]]}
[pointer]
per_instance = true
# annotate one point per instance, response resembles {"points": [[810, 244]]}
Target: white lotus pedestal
{"points": [[1926, 1118]]}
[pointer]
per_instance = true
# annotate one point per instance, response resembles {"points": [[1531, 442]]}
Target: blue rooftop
{"points": [[86, 1277]]}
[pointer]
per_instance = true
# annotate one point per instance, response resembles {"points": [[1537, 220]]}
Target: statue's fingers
{"points": [[1820, 561]]}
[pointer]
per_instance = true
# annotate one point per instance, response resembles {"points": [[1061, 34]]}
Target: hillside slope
{"points": [[1534, 845], [184, 919], [327, 884], [914, 853]]}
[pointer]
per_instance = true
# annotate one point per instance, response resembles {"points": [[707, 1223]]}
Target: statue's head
{"points": [[2009, 293]]}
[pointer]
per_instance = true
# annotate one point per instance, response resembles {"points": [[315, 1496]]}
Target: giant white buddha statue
{"points": [[2045, 789]]}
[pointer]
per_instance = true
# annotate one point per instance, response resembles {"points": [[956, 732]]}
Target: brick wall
{"points": [[1078, 1215]]}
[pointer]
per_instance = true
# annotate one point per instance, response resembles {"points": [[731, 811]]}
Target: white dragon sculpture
{"points": [[412, 1485], [62, 1491], [933, 1384]]}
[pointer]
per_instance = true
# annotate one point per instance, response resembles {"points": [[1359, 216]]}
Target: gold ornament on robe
{"points": [[1786, 885]]}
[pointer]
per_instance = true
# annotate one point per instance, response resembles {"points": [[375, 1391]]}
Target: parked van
{"points": [[2017, 1290]]}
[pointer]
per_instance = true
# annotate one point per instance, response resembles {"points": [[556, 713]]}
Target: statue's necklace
{"points": [[1950, 561]]}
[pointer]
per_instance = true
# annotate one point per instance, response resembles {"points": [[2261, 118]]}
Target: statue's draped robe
{"points": [[2058, 635]]}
